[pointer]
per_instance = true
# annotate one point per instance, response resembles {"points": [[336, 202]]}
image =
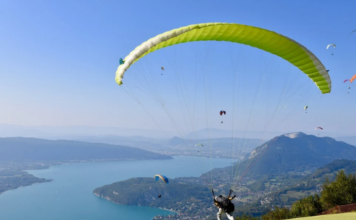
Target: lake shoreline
{"points": [[108, 199], [70, 197]]}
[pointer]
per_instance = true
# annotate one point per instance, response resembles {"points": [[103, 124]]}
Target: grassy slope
{"points": [[344, 216]]}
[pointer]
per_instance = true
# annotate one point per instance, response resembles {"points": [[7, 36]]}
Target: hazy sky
{"points": [[58, 58]]}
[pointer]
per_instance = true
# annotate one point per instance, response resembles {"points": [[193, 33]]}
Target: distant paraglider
{"points": [[353, 78], [222, 112], [346, 80], [163, 178], [331, 45], [305, 108], [319, 128]]}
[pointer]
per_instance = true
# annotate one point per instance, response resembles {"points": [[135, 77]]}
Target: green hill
{"points": [[178, 196]]}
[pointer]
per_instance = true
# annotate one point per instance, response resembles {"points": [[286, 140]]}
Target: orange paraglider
{"points": [[353, 78]]}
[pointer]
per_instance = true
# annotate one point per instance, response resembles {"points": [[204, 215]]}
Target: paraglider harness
{"points": [[224, 203]]}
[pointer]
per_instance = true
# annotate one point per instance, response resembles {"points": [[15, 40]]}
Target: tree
{"points": [[340, 192], [308, 206]]}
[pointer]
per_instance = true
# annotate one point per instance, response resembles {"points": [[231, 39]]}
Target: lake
{"points": [[70, 195]]}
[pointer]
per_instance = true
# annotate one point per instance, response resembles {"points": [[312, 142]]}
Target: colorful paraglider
{"points": [[353, 78], [163, 178], [319, 128], [305, 108], [281, 46], [162, 68], [331, 45]]}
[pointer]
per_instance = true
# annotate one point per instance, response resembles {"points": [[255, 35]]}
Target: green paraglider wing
{"points": [[266, 40]]}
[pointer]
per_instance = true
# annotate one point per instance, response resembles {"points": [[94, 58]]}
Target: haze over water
{"points": [[70, 197]]}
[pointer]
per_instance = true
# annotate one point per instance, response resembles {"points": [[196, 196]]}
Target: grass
{"points": [[344, 216]]}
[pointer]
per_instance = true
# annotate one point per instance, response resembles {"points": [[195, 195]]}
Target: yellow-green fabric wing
{"points": [[266, 40]]}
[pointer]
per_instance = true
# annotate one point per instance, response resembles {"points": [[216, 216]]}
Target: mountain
{"points": [[311, 184], [39, 149], [297, 152], [348, 139]]}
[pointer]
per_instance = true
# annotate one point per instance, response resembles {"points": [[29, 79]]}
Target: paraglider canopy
{"points": [[346, 80], [222, 112], [266, 40], [319, 128], [353, 78], [163, 178], [330, 45]]}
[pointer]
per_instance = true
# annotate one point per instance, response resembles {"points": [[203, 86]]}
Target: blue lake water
{"points": [[70, 197]]}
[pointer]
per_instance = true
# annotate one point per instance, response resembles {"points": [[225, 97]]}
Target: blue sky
{"points": [[58, 58]]}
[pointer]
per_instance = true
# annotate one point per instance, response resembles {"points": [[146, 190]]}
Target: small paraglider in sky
{"points": [[163, 178], [305, 108], [331, 45], [319, 128], [346, 80], [199, 145], [353, 78], [162, 67], [121, 61], [222, 112]]}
